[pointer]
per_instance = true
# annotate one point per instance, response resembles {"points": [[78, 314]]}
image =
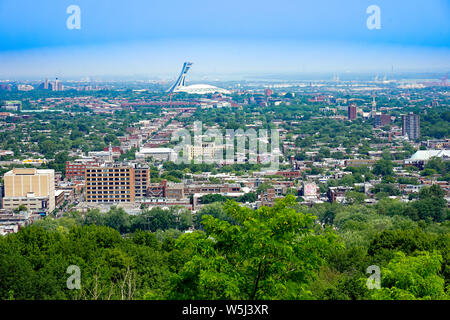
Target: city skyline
{"points": [[227, 156]]}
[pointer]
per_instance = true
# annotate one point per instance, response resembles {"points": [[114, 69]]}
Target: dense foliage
{"points": [[284, 252]]}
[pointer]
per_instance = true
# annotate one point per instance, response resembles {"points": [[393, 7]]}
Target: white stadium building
{"points": [[179, 85], [201, 89]]}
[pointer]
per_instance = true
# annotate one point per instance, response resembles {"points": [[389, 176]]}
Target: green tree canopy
{"points": [[270, 254]]}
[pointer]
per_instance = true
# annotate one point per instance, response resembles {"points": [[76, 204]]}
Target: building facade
{"points": [[351, 112], [33, 188], [411, 126], [381, 120], [77, 169], [141, 180], [113, 183], [205, 151], [159, 154]]}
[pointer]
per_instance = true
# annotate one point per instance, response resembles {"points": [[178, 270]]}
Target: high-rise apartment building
{"points": [[351, 112], [110, 183], [411, 126], [33, 188], [56, 85]]}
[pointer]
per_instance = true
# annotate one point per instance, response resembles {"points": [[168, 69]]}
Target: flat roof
{"points": [[29, 171], [155, 150]]}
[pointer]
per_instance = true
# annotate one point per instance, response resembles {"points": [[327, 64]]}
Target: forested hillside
{"points": [[284, 252]]}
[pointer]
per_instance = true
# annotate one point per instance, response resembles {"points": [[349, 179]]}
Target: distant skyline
{"points": [[154, 38]]}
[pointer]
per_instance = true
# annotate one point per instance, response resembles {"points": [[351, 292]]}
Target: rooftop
{"points": [[428, 154]]}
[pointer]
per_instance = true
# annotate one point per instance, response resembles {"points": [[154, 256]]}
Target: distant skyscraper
{"points": [[374, 108], [411, 126], [56, 85], [352, 112], [46, 84]]}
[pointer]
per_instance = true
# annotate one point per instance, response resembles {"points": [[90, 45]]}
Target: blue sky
{"points": [[138, 37]]}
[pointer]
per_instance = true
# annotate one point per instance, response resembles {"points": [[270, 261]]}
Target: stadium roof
{"points": [[201, 89]]}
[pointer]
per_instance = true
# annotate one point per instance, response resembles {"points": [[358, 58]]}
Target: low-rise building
{"points": [[159, 154], [76, 169]]}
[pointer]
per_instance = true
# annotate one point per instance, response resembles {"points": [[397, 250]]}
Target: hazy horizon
{"points": [[154, 38]]}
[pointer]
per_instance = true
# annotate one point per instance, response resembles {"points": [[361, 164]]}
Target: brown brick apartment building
{"points": [[114, 183]]}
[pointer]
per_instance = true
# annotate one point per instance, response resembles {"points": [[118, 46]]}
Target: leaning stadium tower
{"points": [[180, 81]]}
